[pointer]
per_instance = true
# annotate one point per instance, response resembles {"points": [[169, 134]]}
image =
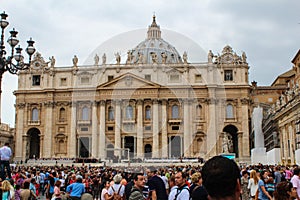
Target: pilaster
{"points": [[102, 120], [155, 148]]}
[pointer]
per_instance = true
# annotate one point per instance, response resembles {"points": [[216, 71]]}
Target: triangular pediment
{"points": [[127, 81]]}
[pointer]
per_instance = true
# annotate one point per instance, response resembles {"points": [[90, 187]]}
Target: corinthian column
{"points": [[94, 130], [48, 130], [164, 133], [102, 144], [72, 138], [118, 128], [155, 148], [19, 148], [186, 128], [139, 135]]}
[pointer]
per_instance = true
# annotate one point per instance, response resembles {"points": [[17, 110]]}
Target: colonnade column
{"points": [[48, 148], [186, 128], [102, 138], [155, 148], [19, 148], [73, 127], [212, 139], [94, 130], [164, 132], [118, 129], [139, 135], [245, 151]]}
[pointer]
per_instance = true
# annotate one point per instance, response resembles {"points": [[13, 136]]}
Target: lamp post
{"points": [[15, 61]]}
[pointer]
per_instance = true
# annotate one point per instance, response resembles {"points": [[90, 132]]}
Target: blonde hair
{"points": [[5, 185], [196, 177], [254, 176]]}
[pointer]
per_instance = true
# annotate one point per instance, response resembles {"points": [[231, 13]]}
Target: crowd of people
{"points": [[218, 178]]}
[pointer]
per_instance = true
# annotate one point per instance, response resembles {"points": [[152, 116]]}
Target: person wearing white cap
{"points": [[76, 189]]}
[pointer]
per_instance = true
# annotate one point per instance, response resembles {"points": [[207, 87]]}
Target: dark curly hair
{"points": [[281, 190], [220, 176]]}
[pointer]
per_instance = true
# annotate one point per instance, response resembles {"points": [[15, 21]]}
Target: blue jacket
{"points": [[77, 189]]}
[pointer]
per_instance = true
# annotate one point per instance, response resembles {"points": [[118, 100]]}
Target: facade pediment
{"points": [[128, 81]]}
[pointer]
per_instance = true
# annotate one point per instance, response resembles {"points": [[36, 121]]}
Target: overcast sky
{"points": [[267, 30]]}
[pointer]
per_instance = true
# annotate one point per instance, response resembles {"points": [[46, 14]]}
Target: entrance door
{"points": [[175, 146], [232, 131], [129, 143], [34, 143], [148, 151], [84, 145]]}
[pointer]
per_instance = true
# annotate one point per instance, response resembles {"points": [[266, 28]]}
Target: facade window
{"points": [[175, 112], [199, 111], [85, 80], [129, 112], [198, 78], [84, 129], [35, 114], [228, 75], [63, 82], [148, 77], [147, 128], [229, 111], [110, 128], [148, 113], [85, 113], [62, 114], [109, 78], [111, 114], [36, 80]]}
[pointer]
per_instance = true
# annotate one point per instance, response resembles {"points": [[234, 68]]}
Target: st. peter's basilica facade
{"points": [[156, 104]]}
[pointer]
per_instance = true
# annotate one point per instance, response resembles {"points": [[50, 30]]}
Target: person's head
{"points": [[196, 178], [57, 183], [245, 173], [264, 175], [151, 171], [221, 178], [107, 184], [117, 178], [172, 181], [296, 171], [26, 185], [180, 178], [5, 185], [139, 180], [79, 179], [253, 175], [285, 191]]}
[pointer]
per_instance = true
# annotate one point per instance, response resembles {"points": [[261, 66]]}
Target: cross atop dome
{"points": [[154, 30]]}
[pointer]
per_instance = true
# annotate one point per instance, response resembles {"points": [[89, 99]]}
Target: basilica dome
{"points": [[154, 49]]}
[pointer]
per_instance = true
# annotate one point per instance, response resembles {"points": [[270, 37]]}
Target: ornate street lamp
{"points": [[15, 61]]}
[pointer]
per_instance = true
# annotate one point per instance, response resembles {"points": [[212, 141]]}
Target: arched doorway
{"points": [[110, 151], [34, 143], [148, 151], [231, 130]]}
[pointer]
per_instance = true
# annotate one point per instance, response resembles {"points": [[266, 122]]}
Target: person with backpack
{"points": [[182, 192], [117, 190], [137, 189]]}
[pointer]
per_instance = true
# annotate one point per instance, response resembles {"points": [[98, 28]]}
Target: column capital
{"points": [[49, 104], [20, 105], [139, 102], [155, 101], [73, 103], [164, 101], [245, 101], [95, 103], [102, 103], [118, 101]]}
